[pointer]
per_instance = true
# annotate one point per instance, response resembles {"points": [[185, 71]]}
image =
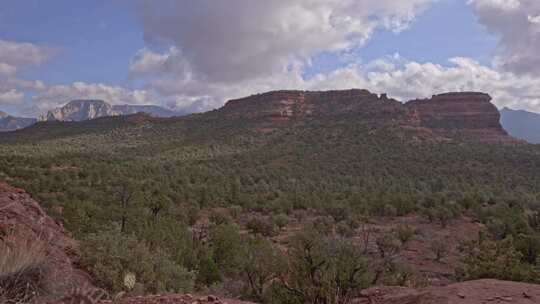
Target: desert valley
{"points": [[270, 152]]}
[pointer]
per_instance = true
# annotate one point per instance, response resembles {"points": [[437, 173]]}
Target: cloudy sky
{"points": [[194, 55]]}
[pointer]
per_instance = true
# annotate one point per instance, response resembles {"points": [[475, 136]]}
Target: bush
{"points": [[324, 270], [483, 259], [404, 233], [110, 256], [263, 263], [388, 245], [439, 249], [258, 225]]}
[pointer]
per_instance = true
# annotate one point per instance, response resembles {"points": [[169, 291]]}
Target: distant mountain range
{"points": [[522, 124], [11, 123], [81, 110]]}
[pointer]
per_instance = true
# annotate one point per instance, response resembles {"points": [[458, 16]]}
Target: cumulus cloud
{"points": [[517, 22], [409, 80], [229, 41], [11, 97], [14, 55], [222, 49]]}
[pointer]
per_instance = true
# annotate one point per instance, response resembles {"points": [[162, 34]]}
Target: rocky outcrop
{"points": [[283, 106], [472, 292], [80, 110], [11, 123], [23, 223], [467, 115]]}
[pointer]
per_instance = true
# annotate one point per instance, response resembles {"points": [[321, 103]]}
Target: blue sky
{"points": [[132, 51]]}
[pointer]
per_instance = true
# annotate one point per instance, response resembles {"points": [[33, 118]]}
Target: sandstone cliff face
{"points": [[293, 105], [465, 115]]}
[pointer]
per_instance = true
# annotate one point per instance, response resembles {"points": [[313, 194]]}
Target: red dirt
{"points": [[473, 292], [176, 299]]}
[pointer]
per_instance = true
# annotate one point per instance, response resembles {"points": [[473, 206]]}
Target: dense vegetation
{"points": [[183, 203]]}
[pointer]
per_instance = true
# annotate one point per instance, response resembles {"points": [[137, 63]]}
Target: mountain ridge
{"points": [[11, 123], [522, 124], [461, 114], [86, 109]]}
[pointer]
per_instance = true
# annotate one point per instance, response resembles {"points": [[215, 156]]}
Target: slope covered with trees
{"points": [[184, 202]]}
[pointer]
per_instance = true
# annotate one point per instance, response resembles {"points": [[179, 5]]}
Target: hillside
{"points": [[199, 192]]}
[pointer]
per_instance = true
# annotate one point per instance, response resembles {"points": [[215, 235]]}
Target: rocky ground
{"points": [[473, 292]]}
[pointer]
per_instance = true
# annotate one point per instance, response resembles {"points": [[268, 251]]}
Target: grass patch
{"points": [[23, 272]]}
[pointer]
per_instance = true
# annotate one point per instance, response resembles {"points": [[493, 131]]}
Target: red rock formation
{"points": [[467, 114], [283, 106], [24, 223]]}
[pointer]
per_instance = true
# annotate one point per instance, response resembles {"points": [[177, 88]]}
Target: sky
{"points": [[192, 56]]}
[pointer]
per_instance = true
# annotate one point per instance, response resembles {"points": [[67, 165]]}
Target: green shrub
{"points": [[484, 258], [259, 225], [323, 270], [262, 264], [439, 247], [111, 255], [404, 233]]}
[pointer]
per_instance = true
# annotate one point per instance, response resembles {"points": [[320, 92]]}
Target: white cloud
{"points": [[230, 41], [23, 54], [223, 49], [7, 69], [13, 57], [517, 22], [11, 97], [407, 80]]}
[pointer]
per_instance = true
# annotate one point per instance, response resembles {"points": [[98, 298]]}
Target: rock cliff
{"points": [[282, 106], [465, 115]]}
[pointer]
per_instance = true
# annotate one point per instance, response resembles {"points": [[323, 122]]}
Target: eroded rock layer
{"points": [[466, 114]]}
